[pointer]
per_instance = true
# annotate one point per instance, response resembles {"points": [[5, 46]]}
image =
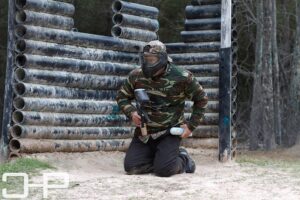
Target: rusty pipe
{"points": [[68, 79], [68, 119], [66, 105], [135, 9], [206, 132], [205, 2], [208, 82], [73, 133], [69, 51], [201, 36], [132, 21], [206, 143], [77, 38], [203, 70], [207, 119], [205, 11], [202, 24], [133, 33], [50, 91], [73, 65], [44, 20], [174, 48], [43, 146], [195, 58], [212, 106], [46, 6]]}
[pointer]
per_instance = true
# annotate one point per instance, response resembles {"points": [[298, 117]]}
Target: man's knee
{"points": [[140, 169], [166, 171]]}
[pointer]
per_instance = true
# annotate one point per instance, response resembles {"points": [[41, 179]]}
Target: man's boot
{"points": [[190, 165]]}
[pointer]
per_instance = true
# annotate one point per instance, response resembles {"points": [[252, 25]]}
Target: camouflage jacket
{"points": [[167, 95]]}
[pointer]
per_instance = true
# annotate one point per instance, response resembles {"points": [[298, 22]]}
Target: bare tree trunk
{"points": [[267, 82], [276, 81], [256, 114], [294, 116]]}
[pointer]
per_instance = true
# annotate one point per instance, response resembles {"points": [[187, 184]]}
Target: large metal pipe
{"points": [[208, 118], [89, 120], [46, 6], [203, 70], [44, 20], [67, 119], [73, 65], [212, 106], [68, 79], [202, 24], [205, 2], [77, 38], [69, 51], [195, 58], [66, 105], [193, 47], [43, 146], [47, 91], [206, 132], [74, 133], [207, 143], [208, 82], [125, 20], [212, 93], [206, 11], [201, 36], [135, 9], [83, 106], [133, 33], [50, 91]]}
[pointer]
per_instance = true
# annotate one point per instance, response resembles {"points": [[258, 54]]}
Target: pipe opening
{"points": [[234, 33], [118, 19], [20, 3], [21, 17], [20, 74], [116, 31], [117, 6], [20, 30], [234, 82], [19, 88], [233, 95], [13, 155], [14, 145], [19, 103], [20, 45], [16, 131], [21, 60], [18, 117]]}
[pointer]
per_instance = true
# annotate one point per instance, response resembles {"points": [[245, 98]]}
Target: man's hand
{"points": [[187, 132], [136, 118]]}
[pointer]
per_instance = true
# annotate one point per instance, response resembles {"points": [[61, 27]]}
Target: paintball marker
{"points": [[142, 99]]}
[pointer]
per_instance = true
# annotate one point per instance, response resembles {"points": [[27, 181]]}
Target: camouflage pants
{"points": [[160, 156]]}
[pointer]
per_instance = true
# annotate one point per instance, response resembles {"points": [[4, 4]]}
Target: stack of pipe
{"points": [[134, 21], [199, 53], [66, 83]]}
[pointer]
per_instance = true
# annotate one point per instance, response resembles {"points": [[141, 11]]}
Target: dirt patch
{"points": [[100, 175]]}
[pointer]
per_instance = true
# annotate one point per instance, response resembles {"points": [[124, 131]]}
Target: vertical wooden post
{"points": [[225, 83], [8, 93]]}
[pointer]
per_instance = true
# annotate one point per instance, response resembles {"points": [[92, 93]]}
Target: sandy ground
{"points": [[100, 175]]}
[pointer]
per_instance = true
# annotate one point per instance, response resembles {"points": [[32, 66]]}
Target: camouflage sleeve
{"points": [[195, 93], [125, 95]]}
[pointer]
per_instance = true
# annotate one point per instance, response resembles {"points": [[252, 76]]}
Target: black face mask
{"points": [[150, 69]]}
